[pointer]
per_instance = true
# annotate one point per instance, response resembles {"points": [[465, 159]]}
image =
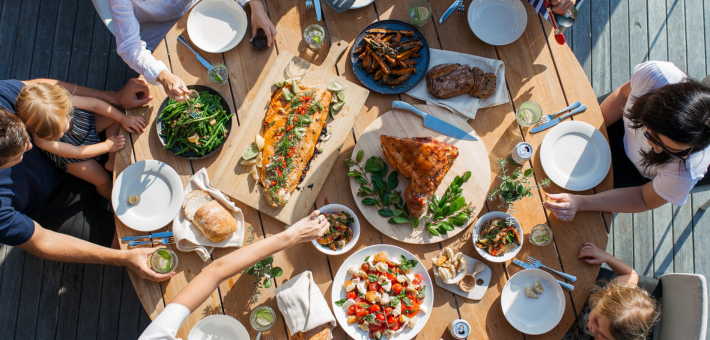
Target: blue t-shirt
{"points": [[25, 185]]}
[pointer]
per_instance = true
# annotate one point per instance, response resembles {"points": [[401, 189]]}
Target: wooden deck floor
{"points": [[65, 40]]}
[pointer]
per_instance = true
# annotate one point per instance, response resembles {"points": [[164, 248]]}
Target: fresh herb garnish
{"points": [[394, 301], [367, 258], [341, 302], [421, 292], [372, 278], [263, 271], [450, 210], [265, 315], [515, 186], [369, 318], [406, 265], [407, 301]]}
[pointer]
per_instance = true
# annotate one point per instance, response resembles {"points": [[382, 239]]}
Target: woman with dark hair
{"points": [[659, 131]]}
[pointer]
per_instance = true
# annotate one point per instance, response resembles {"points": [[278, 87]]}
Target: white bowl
{"points": [[477, 231], [355, 226], [459, 276], [217, 26], [497, 22], [532, 316]]}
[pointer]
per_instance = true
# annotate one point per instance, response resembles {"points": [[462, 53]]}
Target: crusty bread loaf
{"points": [[193, 201], [321, 332], [208, 215]]}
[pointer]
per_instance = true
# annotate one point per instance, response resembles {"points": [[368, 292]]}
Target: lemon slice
{"points": [[254, 172], [335, 86], [250, 152], [280, 83], [194, 138], [259, 141], [249, 162], [541, 238]]}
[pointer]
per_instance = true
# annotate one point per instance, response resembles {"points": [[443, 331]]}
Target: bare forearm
{"points": [[107, 96], [58, 247], [71, 151]]}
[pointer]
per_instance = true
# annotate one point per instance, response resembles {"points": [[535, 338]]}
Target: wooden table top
{"points": [[537, 68]]}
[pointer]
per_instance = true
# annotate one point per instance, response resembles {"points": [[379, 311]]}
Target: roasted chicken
{"points": [[424, 161]]}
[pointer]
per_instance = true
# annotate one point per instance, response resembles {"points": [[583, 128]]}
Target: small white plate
{"points": [[222, 327], [217, 26], [355, 226], [575, 155], [459, 275], [477, 231], [159, 189], [497, 22], [361, 3], [528, 315]]}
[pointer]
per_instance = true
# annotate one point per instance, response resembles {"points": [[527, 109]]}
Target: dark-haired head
{"points": [[14, 139], [679, 113]]}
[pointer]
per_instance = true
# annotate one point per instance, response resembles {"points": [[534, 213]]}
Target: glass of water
{"points": [[419, 12], [163, 261], [218, 74], [529, 113], [541, 235], [262, 318], [314, 35]]}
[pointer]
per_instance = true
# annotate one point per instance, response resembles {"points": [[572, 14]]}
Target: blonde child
{"points": [[618, 310], [64, 127]]}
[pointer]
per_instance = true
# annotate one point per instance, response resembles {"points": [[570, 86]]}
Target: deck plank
{"points": [[49, 300], [129, 317], [695, 38], [9, 22], [675, 23], [657, 38], [620, 71], [22, 59], [13, 266], [44, 39], [601, 67], [638, 32], [582, 39], [29, 299], [662, 240], [643, 243], [111, 288], [623, 237], [683, 239], [89, 302]]}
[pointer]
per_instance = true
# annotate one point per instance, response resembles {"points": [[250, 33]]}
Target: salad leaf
{"points": [[340, 302]]}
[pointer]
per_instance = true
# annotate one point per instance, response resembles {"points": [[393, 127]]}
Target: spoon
{"points": [[469, 280], [558, 35]]}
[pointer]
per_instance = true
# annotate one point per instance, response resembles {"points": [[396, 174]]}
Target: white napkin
{"points": [[302, 304], [464, 104], [189, 238]]}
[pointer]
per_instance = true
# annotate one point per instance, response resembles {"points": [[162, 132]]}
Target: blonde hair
{"points": [[45, 109], [631, 311]]}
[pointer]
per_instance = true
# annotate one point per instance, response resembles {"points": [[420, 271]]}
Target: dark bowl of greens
{"points": [[199, 137]]}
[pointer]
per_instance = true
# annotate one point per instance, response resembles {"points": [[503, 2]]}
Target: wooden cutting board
{"points": [[236, 180], [472, 157]]}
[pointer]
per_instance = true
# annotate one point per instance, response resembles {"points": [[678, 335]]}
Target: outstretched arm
{"points": [[66, 150], [624, 273], [132, 124], [134, 94]]}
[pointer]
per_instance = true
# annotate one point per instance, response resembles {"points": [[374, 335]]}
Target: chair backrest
{"points": [[104, 13], [684, 308]]}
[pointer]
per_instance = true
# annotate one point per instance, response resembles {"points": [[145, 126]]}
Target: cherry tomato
{"points": [[394, 325], [382, 290], [273, 182], [388, 310], [380, 317], [390, 276], [413, 308], [417, 279], [377, 328], [373, 286], [352, 295], [412, 295], [397, 288], [375, 308], [391, 320], [365, 267], [351, 310], [361, 313]]}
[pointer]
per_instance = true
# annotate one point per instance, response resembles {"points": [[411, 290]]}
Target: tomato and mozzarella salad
{"points": [[382, 296]]}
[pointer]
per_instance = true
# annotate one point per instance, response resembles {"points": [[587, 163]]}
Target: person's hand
{"points": [[137, 261], [562, 6], [593, 254], [173, 85], [259, 19], [310, 227], [136, 93], [565, 207], [133, 124], [115, 143]]}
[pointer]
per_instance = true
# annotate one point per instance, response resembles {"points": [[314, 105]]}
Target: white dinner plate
{"points": [[217, 26], [219, 327], [361, 3], [575, 155], [159, 189], [497, 22], [528, 315], [358, 258]]}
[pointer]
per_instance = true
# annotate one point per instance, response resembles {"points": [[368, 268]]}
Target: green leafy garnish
{"points": [[265, 315], [372, 278], [451, 209], [370, 318], [407, 301], [515, 186], [164, 254], [341, 302], [394, 301], [264, 271], [421, 293], [367, 258]]}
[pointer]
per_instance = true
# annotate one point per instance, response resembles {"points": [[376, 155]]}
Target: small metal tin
{"points": [[522, 153], [460, 329]]}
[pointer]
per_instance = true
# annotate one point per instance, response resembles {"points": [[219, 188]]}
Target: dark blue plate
{"points": [[369, 79]]}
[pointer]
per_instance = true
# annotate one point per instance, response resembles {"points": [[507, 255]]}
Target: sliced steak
{"points": [[477, 81], [488, 86], [449, 80]]}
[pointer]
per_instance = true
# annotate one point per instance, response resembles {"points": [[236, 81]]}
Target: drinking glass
{"points": [[314, 35], [218, 74], [262, 319], [419, 12], [163, 261], [529, 113], [541, 235]]}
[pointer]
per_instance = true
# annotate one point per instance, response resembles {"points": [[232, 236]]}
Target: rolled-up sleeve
{"points": [[167, 324], [129, 44], [15, 227]]}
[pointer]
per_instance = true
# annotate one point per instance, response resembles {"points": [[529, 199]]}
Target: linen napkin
{"points": [[464, 104], [302, 304], [189, 238]]}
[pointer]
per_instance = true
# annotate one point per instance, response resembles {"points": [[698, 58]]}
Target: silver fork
{"points": [[548, 118], [191, 109], [535, 263], [460, 9], [165, 241], [309, 4]]}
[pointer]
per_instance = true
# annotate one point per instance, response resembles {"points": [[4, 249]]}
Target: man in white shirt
{"points": [[140, 25]]}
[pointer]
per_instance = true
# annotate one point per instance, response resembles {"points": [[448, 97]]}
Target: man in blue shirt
{"points": [[53, 214]]}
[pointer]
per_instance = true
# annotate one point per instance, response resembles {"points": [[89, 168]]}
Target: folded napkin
{"points": [[189, 238], [464, 104], [302, 304]]}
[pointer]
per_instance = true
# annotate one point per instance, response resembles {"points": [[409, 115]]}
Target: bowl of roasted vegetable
{"points": [[497, 236], [390, 57], [343, 233], [196, 127]]}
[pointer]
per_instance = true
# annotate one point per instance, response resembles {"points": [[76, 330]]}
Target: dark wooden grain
{"points": [[44, 39], [49, 300], [9, 19], [90, 301], [130, 306], [110, 301], [27, 27]]}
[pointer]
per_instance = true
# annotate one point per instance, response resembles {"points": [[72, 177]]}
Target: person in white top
{"points": [[140, 25], [659, 131], [167, 324]]}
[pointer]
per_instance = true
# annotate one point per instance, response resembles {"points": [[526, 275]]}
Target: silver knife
{"points": [[557, 120], [434, 123], [318, 11], [449, 11], [154, 235], [203, 61], [527, 266]]}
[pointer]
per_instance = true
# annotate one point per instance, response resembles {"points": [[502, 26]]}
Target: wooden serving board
{"points": [[236, 180], [472, 157]]}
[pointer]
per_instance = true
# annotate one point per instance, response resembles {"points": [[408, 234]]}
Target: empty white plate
{"points": [[218, 327], [528, 315], [361, 3], [217, 26], [159, 189], [497, 22], [575, 155]]}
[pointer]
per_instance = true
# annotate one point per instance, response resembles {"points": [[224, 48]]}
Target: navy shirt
{"points": [[25, 185]]}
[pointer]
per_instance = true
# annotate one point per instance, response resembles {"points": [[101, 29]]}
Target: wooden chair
{"points": [[104, 13], [684, 308]]}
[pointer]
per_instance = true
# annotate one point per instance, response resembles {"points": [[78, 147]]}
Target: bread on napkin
{"points": [[208, 215], [319, 333]]}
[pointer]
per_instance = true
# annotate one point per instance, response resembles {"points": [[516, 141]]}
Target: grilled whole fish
{"points": [[291, 130], [424, 161]]}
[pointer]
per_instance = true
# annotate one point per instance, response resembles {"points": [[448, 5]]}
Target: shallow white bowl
{"points": [[355, 226], [459, 276], [217, 26], [219, 327], [528, 315], [497, 22], [477, 230]]}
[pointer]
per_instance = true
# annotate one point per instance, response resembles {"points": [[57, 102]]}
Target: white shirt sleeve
{"points": [[129, 44], [167, 324], [673, 187]]}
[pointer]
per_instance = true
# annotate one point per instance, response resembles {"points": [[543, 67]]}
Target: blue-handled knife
{"points": [[564, 285], [449, 11], [557, 120], [154, 235], [318, 10], [434, 123]]}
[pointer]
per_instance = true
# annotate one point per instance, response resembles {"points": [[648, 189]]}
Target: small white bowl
{"points": [[355, 226], [459, 276], [477, 231]]}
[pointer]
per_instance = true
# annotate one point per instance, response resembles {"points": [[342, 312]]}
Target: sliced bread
{"points": [[194, 201]]}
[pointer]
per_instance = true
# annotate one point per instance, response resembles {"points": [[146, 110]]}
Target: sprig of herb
{"points": [[406, 265], [515, 186], [451, 209], [264, 271], [341, 302]]}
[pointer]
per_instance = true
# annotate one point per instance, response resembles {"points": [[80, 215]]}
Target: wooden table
{"points": [[537, 68]]}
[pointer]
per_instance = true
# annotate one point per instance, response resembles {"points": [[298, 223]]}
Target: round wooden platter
{"points": [[472, 157]]}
